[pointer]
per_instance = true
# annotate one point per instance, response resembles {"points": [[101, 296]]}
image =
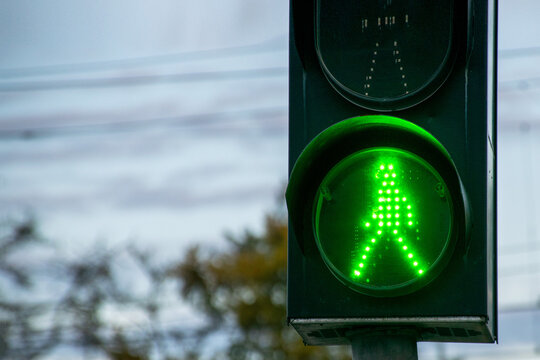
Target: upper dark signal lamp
{"points": [[385, 55]]}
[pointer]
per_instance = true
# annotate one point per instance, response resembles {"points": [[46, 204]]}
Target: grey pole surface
{"points": [[384, 347]]}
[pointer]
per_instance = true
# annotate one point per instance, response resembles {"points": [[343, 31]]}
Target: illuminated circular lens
{"points": [[403, 254]]}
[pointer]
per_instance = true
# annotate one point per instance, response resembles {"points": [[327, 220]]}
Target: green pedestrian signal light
{"points": [[382, 220], [387, 206]]}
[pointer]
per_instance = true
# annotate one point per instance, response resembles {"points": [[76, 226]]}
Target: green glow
{"points": [[392, 253]]}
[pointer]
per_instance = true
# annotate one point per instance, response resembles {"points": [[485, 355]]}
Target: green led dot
{"points": [[368, 224], [415, 263], [374, 216], [361, 265], [384, 183], [372, 240], [367, 248], [394, 175], [395, 231], [386, 175], [404, 199], [391, 166], [397, 207], [380, 191], [405, 247], [397, 223], [388, 199], [396, 199], [381, 167], [364, 257], [391, 183], [397, 215], [389, 215], [381, 216], [396, 191], [410, 223], [410, 256], [409, 215], [388, 207], [356, 272], [379, 232], [409, 207], [420, 271], [400, 239], [367, 280], [381, 223], [388, 223]]}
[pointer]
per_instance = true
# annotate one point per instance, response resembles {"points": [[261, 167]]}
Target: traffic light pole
{"points": [[383, 347]]}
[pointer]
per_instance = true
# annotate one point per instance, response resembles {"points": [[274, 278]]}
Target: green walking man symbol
{"points": [[391, 225]]}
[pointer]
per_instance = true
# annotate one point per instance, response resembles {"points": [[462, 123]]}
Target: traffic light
{"points": [[391, 196]]}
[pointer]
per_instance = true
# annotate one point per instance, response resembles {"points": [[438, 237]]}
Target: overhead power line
{"points": [[519, 52], [272, 45], [221, 121], [519, 84], [142, 79]]}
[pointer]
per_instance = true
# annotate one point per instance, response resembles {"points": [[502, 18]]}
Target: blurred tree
{"points": [[238, 295], [242, 292]]}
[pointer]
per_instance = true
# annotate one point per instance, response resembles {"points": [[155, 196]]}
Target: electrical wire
{"points": [[519, 52], [273, 45], [143, 79], [221, 120]]}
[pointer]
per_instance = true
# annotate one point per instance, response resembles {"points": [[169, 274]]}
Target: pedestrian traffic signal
{"points": [[391, 195]]}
